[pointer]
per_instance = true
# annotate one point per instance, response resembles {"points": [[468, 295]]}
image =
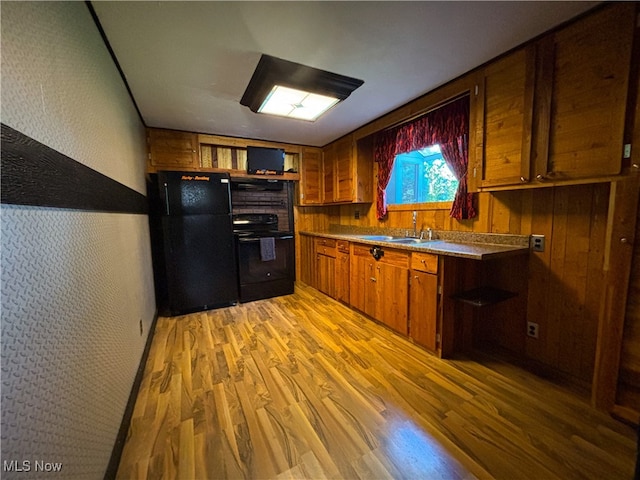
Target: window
{"points": [[421, 176]]}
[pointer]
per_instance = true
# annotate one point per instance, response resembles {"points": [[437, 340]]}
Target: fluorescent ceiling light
{"points": [[287, 89], [289, 102]]}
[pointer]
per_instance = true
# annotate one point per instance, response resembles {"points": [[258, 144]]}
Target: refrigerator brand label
{"points": [[189, 177]]}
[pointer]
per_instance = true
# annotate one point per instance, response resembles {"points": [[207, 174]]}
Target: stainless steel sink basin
{"points": [[376, 238], [410, 240]]}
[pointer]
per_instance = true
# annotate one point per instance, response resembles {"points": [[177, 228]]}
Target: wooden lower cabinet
{"points": [[362, 295], [325, 250], [326, 271], [392, 289], [342, 271], [423, 308], [399, 290], [380, 288], [423, 300]]}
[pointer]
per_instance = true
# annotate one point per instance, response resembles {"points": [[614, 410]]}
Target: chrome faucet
{"points": [[415, 222], [429, 233]]}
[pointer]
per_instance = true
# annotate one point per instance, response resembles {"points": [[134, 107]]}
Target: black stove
{"points": [[266, 256]]}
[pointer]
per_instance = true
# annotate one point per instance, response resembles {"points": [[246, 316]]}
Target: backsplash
{"points": [[265, 201]]}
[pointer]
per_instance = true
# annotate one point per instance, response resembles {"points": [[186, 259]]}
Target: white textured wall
{"points": [[75, 284]]}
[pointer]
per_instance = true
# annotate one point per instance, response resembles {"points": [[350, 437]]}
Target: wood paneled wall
{"points": [[564, 280]]}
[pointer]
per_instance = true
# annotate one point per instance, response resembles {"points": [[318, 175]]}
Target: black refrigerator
{"points": [[193, 247]]}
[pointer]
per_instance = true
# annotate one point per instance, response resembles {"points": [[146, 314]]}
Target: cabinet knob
{"points": [[540, 177], [624, 240], [523, 180], [373, 279]]}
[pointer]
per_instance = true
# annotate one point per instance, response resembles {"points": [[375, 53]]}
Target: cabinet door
{"points": [[583, 76], [343, 170], [326, 274], [505, 110], [328, 173], [360, 274], [423, 308], [169, 149], [392, 302], [311, 176], [363, 282], [342, 277]]}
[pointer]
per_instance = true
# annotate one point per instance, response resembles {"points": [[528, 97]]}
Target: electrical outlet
{"points": [[532, 329], [141, 328], [537, 243]]}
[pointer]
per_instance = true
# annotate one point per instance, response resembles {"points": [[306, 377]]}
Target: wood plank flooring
{"points": [[303, 387]]}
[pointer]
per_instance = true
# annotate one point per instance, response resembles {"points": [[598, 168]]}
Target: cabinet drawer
{"points": [[390, 256], [343, 246], [326, 246], [326, 242], [424, 262]]}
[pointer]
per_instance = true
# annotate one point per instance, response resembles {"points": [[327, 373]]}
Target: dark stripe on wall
{"points": [[35, 174]]}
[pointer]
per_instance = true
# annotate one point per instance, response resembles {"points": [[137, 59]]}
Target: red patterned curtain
{"points": [[448, 127]]}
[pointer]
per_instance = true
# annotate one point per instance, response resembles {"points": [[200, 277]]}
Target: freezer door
{"points": [[192, 193], [201, 266]]}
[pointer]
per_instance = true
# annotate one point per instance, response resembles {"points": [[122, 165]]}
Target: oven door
{"points": [[265, 279]]}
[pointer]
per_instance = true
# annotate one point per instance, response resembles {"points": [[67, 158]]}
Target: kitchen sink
{"points": [[377, 238], [410, 240]]}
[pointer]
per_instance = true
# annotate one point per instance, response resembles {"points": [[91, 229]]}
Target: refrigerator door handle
{"points": [[166, 197]]}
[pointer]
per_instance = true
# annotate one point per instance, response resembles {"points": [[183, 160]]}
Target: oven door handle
{"points": [[250, 240]]}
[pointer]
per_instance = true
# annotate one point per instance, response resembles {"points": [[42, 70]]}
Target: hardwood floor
{"points": [[302, 387]]}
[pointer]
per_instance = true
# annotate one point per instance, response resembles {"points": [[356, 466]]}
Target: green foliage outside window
{"points": [[421, 176]]}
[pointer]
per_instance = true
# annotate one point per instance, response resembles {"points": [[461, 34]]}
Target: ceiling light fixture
{"points": [[288, 89]]}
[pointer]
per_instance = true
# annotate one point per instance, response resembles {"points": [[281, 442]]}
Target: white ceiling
{"points": [[188, 63]]}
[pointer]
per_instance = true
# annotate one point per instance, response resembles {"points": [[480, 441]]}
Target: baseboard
{"points": [[118, 446]]}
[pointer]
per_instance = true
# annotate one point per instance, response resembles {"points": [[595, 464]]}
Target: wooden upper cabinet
{"points": [[554, 111], [338, 171], [583, 77], [504, 120], [171, 149], [344, 170], [328, 174], [311, 176], [348, 172]]}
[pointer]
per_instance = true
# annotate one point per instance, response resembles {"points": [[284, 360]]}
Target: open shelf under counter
{"points": [[484, 296]]}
